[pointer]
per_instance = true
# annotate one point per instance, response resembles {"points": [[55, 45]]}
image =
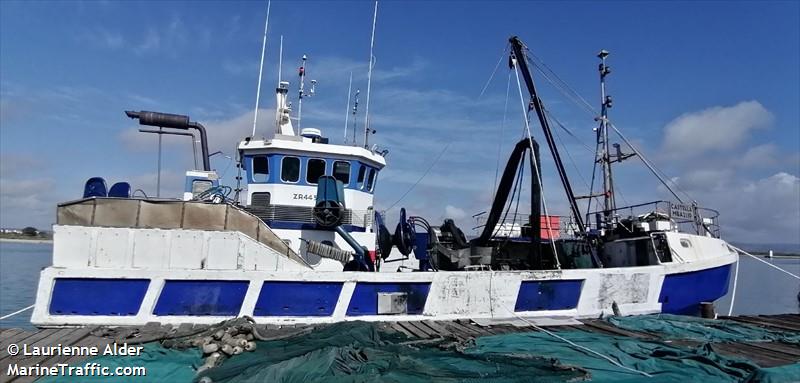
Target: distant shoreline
{"points": [[35, 241]]}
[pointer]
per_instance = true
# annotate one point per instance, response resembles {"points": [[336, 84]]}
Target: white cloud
{"points": [[715, 128], [760, 156], [170, 38], [455, 213], [27, 202], [12, 165], [223, 134], [761, 210]]}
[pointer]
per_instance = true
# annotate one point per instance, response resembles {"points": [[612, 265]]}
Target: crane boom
{"points": [[518, 53]]}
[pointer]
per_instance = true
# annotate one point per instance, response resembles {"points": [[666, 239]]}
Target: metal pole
{"points": [[280, 68], [347, 109], [158, 174], [300, 96], [261, 70], [369, 77], [608, 181], [194, 151], [355, 115]]}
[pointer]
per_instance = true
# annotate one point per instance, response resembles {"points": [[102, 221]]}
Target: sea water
{"points": [[761, 289]]}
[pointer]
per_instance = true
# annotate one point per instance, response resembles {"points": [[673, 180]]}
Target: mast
{"points": [[355, 115], [369, 77], [536, 103], [609, 204], [302, 74], [278, 111]]}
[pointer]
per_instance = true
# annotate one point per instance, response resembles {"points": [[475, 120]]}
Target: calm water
{"points": [[761, 289]]}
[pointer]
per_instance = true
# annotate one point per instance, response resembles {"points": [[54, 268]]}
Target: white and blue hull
{"points": [[112, 276]]}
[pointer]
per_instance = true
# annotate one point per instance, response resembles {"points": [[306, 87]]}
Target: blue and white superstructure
{"points": [[282, 176], [299, 240]]}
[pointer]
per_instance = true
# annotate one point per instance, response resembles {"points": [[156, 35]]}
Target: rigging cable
{"points": [[536, 166], [421, 177], [649, 165], [576, 98], [572, 160], [575, 95], [562, 126], [502, 55]]}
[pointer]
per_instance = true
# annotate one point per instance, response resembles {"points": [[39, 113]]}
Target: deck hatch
{"points": [[97, 296]]}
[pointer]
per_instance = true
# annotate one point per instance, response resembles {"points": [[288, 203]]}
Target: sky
{"points": [[709, 91]]}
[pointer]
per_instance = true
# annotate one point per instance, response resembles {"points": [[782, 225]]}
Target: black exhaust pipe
{"points": [[174, 121]]}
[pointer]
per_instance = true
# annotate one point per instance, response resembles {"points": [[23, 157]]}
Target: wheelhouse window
{"points": [[315, 169], [371, 179], [361, 176], [341, 171], [260, 168], [290, 169]]}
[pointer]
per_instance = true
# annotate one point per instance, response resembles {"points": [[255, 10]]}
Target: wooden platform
{"points": [[765, 354]]}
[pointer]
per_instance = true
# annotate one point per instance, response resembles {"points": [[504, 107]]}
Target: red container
{"points": [[553, 224]]}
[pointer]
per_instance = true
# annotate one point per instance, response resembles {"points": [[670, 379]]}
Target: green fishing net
{"points": [[362, 352]]}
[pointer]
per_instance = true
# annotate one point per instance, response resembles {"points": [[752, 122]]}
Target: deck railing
{"points": [[687, 218]]}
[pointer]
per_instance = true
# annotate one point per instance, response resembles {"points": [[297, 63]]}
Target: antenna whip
{"points": [[261, 69]]}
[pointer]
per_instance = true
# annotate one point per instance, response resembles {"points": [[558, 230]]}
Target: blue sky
{"points": [[709, 90]]}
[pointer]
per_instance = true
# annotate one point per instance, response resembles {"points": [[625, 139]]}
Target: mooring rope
{"points": [[578, 346], [795, 276], [17, 312], [733, 293]]}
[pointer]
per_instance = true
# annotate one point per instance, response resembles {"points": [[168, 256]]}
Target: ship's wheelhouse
{"points": [[305, 170]]}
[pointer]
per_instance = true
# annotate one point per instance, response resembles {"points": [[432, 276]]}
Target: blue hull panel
{"points": [[298, 298], [201, 298], [365, 296], [683, 292], [548, 295], [94, 296]]}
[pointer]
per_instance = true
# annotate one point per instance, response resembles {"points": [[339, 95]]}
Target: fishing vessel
{"points": [[299, 240]]}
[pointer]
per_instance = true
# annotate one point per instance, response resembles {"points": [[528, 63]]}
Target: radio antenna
{"points": [[347, 109], [261, 69], [369, 77]]}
